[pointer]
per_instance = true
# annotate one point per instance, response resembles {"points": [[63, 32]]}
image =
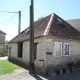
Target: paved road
{"points": [[4, 58], [24, 75], [69, 76]]}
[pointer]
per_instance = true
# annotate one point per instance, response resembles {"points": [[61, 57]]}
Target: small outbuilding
{"points": [[56, 42]]}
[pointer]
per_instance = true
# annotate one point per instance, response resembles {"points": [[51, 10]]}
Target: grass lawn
{"points": [[7, 67]]}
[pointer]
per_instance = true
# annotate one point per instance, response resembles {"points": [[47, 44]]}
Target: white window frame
{"points": [[55, 49], [64, 49]]}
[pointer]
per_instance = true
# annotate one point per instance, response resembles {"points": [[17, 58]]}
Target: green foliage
{"points": [[70, 64], [7, 67], [78, 64], [5, 50], [40, 18]]}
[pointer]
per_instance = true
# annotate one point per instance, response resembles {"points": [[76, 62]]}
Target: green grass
{"points": [[7, 67]]}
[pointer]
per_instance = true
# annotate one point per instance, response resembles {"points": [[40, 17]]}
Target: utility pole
{"points": [[19, 27], [31, 70]]}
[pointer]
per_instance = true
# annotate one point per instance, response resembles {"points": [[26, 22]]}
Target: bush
{"points": [[78, 64], [70, 64]]}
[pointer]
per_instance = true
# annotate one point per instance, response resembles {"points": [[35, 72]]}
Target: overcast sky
{"points": [[66, 9]]}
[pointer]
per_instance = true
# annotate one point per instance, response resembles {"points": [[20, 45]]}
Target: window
{"points": [[27, 31], [59, 20], [66, 49], [57, 49], [20, 49]]}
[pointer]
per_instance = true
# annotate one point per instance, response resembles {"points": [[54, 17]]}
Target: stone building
{"points": [[56, 42], [2, 41]]}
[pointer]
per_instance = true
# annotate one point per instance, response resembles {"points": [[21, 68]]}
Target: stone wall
{"points": [[43, 60], [40, 57], [54, 61]]}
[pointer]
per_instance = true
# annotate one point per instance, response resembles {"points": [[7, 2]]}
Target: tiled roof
{"points": [[64, 30], [75, 23], [51, 27], [2, 32], [39, 28]]}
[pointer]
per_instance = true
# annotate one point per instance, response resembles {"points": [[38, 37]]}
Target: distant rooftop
{"points": [[2, 32], [75, 23]]}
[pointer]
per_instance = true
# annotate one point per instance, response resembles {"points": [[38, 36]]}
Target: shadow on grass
{"points": [[18, 63], [36, 76]]}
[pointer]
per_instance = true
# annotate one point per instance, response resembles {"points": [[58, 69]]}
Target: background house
{"points": [[56, 43], [75, 23], [2, 41]]}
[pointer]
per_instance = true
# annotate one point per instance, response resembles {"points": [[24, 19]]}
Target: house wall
{"points": [[40, 57], [55, 61], [2, 38], [43, 60], [2, 42], [14, 50]]}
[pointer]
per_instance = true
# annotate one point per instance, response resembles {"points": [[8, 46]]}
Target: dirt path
{"points": [[4, 58]]}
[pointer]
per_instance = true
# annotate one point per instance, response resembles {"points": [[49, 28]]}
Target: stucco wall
{"points": [[2, 42], [14, 50], [2, 38]]}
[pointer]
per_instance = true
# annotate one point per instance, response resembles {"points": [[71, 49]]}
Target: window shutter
{"points": [[57, 49]]}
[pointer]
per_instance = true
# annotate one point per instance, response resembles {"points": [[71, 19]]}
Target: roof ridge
{"points": [[48, 25]]}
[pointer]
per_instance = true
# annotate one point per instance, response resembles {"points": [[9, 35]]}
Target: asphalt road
{"points": [[24, 75], [69, 76]]}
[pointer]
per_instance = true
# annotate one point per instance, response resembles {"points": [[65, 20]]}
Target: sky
{"points": [[66, 9]]}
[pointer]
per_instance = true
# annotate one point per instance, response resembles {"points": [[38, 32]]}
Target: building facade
{"points": [[2, 41], [55, 43]]}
